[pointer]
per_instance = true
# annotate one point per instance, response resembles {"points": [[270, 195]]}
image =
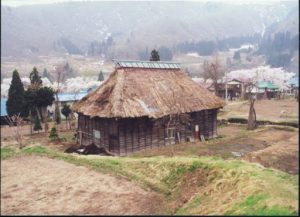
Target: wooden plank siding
{"points": [[127, 135]]}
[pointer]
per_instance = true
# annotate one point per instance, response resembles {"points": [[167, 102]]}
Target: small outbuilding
{"points": [[146, 104]]}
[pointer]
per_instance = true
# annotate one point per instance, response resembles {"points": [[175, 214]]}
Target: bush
{"points": [[37, 124], [53, 134]]}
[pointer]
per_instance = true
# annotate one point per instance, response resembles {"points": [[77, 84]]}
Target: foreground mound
{"points": [[193, 185]]}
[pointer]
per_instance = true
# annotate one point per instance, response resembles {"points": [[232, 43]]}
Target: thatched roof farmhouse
{"points": [[145, 104]]}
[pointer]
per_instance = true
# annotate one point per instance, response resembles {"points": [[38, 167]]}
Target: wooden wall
{"points": [[127, 135]]}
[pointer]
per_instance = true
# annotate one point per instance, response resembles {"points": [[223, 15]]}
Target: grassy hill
{"points": [[195, 185]]}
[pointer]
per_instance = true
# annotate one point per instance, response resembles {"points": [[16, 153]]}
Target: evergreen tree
{"points": [[44, 97], [154, 55], [53, 134], [100, 76], [35, 79], [46, 74], [37, 124], [66, 111], [38, 99], [15, 99]]}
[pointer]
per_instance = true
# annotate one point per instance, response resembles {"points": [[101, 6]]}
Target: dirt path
{"points": [[39, 185]]}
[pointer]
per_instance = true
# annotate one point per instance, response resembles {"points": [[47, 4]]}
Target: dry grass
{"points": [[272, 110], [198, 185], [270, 146]]}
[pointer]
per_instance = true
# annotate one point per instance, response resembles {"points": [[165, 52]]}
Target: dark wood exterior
{"points": [[126, 135]]}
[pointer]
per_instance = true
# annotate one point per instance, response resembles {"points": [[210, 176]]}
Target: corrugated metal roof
{"points": [[267, 84], [146, 64], [3, 107]]}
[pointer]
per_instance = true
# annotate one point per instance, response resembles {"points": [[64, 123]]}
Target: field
{"points": [[271, 110], [239, 173]]}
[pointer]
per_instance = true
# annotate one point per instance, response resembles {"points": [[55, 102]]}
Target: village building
{"points": [[66, 98], [234, 89], [267, 90], [146, 104], [293, 84]]}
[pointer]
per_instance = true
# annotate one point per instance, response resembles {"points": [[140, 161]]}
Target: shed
{"points": [[146, 104]]}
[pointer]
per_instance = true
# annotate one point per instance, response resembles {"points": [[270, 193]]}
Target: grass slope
{"points": [[195, 185]]}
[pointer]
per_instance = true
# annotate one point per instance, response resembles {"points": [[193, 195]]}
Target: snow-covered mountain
{"points": [[128, 27]]}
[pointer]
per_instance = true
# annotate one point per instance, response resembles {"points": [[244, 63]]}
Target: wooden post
{"points": [[80, 137], [197, 132]]}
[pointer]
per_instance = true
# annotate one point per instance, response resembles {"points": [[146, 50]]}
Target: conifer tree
{"points": [[15, 99], [53, 134], [37, 124], [100, 76], [35, 79], [154, 55]]}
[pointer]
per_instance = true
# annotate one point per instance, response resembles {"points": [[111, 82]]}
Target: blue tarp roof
{"points": [[3, 107], [294, 81], [63, 97]]}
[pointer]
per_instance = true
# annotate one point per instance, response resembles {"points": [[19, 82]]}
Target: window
{"points": [[96, 134], [170, 136], [170, 133]]}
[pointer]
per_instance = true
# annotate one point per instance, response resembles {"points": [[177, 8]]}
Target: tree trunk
{"points": [[43, 114], [46, 127], [30, 116], [38, 113], [252, 116]]}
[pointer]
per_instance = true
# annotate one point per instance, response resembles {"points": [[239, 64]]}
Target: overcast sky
{"points": [[15, 3]]}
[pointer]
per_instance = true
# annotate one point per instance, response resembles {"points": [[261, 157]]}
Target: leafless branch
{"points": [[16, 122]]}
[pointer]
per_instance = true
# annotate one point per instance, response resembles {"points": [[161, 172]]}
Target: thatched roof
{"points": [[146, 91]]}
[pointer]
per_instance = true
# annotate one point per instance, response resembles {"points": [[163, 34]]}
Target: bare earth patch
{"points": [[273, 110], [282, 154], [273, 148], [40, 185]]}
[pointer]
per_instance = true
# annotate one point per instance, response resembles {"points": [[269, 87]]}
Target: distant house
{"points": [[234, 89], [267, 90], [146, 104], [66, 98], [294, 85]]}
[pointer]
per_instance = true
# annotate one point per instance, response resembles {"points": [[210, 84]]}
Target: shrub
{"points": [[37, 124], [53, 134]]}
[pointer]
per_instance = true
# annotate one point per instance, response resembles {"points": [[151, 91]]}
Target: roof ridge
{"points": [[146, 64], [119, 60]]}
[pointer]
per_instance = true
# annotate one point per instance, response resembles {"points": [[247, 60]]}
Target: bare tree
{"points": [[59, 77], [252, 115], [214, 71], [15, 122]]}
